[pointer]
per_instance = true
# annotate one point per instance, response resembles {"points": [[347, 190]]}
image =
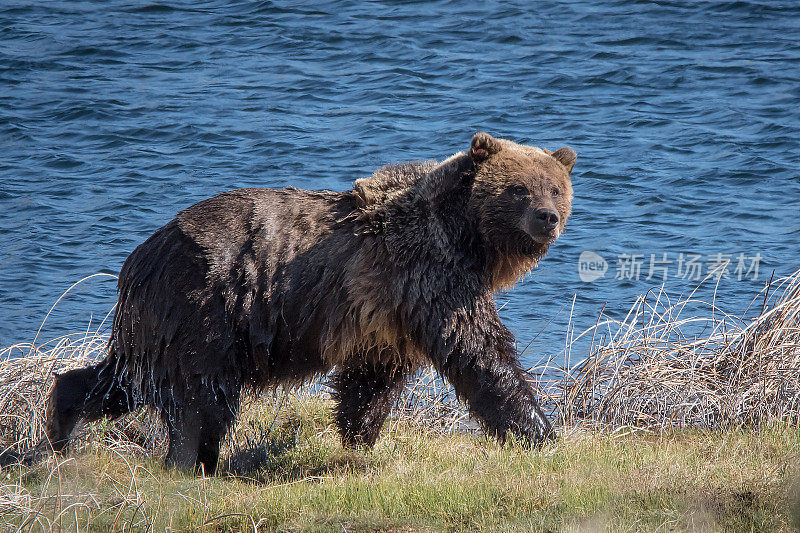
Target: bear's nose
{"points": [[547, 218]]}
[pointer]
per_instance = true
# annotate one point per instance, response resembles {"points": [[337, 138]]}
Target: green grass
{"points": [[288, 470], [418, 479]]}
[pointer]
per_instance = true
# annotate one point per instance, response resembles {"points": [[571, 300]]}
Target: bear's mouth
{"points": [[543, 236], [535, 244]]}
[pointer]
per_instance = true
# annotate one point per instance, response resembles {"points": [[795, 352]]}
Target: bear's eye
{"points": [[518, 190], [555, 191]]}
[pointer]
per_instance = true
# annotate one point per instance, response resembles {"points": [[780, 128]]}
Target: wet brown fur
{"points": [[258, 287]]}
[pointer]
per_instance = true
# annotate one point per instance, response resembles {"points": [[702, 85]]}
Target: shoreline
{"points": [[285, 469], [655, 428]]}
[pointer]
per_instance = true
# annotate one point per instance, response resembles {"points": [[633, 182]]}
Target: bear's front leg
{"points": [[499, 395], [365, 394], [472, 349]]}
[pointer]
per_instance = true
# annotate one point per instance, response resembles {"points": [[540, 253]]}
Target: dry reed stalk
{"points": [[655, 368], [651, 371], [646, 370]]}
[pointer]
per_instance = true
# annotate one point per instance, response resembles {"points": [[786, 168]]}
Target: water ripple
{"points": [[114, 116]]}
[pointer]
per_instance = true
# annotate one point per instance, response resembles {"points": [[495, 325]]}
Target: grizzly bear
{"points": [[258, 287]]}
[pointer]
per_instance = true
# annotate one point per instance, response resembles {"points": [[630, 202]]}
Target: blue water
{"points": [[114, 115]]}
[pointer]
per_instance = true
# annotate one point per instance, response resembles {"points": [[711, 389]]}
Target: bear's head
{"points": [[521, 196]]}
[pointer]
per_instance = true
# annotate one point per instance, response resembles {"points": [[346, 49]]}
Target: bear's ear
{"points": [[483, 145], [566, 156]]}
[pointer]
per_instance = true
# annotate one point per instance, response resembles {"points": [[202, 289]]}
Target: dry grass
{"points": [[646, 371], [620, 464]]}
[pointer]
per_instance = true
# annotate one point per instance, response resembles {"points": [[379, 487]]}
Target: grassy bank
{"points": [[679, 417], [289, 472]]}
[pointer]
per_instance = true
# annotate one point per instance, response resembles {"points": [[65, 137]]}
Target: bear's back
{"points": [[206, 276]]}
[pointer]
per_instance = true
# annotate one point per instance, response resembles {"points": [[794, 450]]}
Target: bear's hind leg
{"points": [[86, 394], [215, 425], [184, 441], [196, 433], [365, 395]]}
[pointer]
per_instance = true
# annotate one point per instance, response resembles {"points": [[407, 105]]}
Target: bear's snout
{"points": [[543, 224], [548, 218]]}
